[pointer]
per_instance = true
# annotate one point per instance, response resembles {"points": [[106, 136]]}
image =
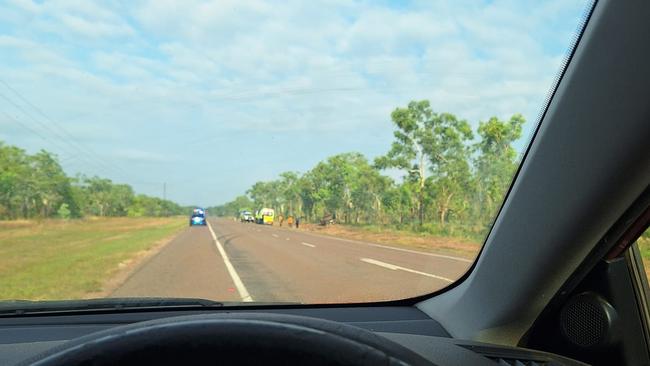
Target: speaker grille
{"points": [[584, 321]]}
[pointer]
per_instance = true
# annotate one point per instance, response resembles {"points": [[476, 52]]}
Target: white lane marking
{"points": [[275, 235], [423, 253], [394, 268], [395, 248], [288, 238], [308, 245], [243, 292]]}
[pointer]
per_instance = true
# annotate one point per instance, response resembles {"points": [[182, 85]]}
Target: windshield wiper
{"points": [[27, 307]]}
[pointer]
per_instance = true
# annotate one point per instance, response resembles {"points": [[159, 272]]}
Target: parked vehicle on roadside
{"points": [[328, 219], [246, 216], [265, 216]]}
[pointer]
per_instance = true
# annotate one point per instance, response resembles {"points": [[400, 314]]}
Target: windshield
{"points": [[380, 140]]}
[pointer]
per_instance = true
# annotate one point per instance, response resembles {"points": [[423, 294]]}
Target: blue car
{"points": [[198, 217]]}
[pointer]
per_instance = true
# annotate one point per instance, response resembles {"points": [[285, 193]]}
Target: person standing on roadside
{"points": [[290, 221], [297, 222], [281, 218]]}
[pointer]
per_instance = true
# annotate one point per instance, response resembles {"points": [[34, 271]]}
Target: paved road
{"points": [[232, 261]]}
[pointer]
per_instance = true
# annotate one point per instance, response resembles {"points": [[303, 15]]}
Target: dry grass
{"points": [[425, 242]]}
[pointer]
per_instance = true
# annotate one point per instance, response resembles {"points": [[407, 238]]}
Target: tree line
{"points": [[35, 186], [454, 178]]}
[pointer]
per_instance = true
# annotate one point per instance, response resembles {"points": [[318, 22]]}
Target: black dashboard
{"points": [[23, 337]]}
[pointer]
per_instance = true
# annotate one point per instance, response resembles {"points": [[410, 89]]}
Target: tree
{"points": [[333, 181], [13, 172], [449, 183], [63, 212], [496, 162], [31, 185], [448, 153], [344, 185], [309, 196], [265, 194], [143, 205], [369, 189], [97, 192], [49, 183], [409, 150], [120, 197], [436, 143], [37, 186], [233, 208], [290, 192]]}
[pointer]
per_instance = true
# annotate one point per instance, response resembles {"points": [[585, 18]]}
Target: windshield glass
{"points": [[379, 141]]}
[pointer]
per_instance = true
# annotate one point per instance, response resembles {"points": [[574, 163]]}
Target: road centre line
{"points": [[274, 235], [308, 245], [394, 268], [243, 292]]}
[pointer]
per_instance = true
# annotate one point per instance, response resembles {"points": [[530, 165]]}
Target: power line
{"points": [[65, 146], [63, 130], [35, 132], [61, 133], [73, 159]]}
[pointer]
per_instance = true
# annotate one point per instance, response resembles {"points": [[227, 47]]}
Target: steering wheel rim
{"points": [[233, 339]]}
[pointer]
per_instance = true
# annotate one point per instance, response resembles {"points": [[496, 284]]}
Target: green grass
{"points": [[466, 233], [644, 248], [52, 260]]}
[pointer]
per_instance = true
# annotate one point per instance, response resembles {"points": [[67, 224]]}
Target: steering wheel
{"points": [[230, 339]]}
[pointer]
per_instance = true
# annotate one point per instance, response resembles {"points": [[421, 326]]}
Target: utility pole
{"points": [[165, 198]]}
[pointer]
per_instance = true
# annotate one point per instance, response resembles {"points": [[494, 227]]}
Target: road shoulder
{"points": [[127, 268]]}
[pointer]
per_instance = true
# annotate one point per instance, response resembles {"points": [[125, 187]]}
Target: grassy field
{"points": [[644, 248], [457, 246], [54, 259]]}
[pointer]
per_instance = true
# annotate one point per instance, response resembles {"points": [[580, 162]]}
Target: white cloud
{"points": [[93, 28], [27, 5], [141, 71], [130, 67], [32, 52], [71, 19]]}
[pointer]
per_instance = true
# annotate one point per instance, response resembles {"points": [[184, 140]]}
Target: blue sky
{"points": [[212, 96]]}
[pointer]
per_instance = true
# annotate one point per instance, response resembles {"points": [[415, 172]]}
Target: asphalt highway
{"points": [[233, 261]]}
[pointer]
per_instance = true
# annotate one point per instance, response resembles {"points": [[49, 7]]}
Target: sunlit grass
{"points": [[56, 259], [644, 247]]}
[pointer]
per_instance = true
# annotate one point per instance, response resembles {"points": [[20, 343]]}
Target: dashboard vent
{"points": [[507, 356], [516, 362]]}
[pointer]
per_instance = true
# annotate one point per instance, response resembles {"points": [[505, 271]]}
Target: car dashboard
{"points": [[23, 337]]}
